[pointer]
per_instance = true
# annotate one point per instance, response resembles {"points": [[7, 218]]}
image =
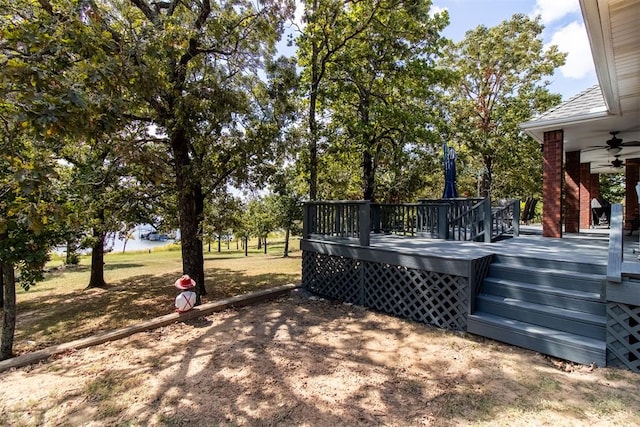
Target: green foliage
{"points": [[30, 208], [612, 187], [222, 215], [371, 66], [501, 84], [260, 218]]}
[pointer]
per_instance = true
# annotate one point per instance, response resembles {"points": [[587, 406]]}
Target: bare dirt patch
{"points": [[301, 361]]}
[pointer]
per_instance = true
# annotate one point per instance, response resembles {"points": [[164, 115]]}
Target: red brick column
{"points": [[594, 182], [585, 195], [632, 176], [552, 184], [572, 192]]}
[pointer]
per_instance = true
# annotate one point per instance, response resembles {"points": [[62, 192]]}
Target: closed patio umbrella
{"points": [[449, 161]]}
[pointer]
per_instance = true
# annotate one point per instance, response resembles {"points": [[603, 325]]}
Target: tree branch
{"points": [[151, 14]]}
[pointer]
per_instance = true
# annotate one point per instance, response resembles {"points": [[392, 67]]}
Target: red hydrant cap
{"points": [[185, 282]]}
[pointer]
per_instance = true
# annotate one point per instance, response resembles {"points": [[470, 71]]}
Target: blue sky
{"points": [[563, 27]]}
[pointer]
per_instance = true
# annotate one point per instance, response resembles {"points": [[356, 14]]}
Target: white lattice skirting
{"points": [[623, 336]]}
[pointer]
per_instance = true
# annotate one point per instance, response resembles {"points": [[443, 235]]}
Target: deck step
{"points": [[577, 348], [546, 263], [586, 282], [588, 302], [554, 307], [572, 321]]}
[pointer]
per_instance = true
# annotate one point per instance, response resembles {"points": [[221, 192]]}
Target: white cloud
{"points": [[572, 39], [436, 9], [553, 10], [297, 18]]}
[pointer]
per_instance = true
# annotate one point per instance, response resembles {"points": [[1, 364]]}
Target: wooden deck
{"points": [[439, 282]]}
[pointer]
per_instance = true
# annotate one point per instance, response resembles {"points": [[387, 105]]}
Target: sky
{"points": [[563, 27]]}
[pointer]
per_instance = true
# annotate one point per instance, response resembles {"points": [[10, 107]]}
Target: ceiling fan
{"points": [[615, 144], [615, 163]]}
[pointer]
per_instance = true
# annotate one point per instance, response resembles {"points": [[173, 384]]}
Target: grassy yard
{"points": [[61, 309]]}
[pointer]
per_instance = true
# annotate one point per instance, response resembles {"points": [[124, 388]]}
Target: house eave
{"points": [[596, 19], [536, 128]]}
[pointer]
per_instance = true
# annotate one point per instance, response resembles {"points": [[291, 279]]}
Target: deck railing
{"points": [[471, 224], [505, 219], [450, 219], [338, 219]]}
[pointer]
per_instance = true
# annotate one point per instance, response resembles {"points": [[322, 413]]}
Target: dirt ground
{"points": [[309, 362]]}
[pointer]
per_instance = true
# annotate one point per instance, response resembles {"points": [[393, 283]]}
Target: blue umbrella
{"points": [[449, 173]]}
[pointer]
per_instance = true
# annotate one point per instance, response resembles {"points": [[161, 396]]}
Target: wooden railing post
{"points": [[306, 221], [488, 223], [364, 218], [443, 221]]}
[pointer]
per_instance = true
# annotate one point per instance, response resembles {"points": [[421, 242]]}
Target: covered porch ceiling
{"points": [[588, 118]]}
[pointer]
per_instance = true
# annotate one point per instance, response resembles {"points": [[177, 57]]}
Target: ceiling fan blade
{"points": [[594, 148], [631, 144]]}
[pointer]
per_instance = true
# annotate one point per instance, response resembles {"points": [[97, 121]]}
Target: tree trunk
{"points": [[286, 243], [313, 125], [8, 310], [97, 254], [97, 261], [246, 246], [71, 249], [265, 245], [219, 243], [368, 179], [259, 242], [191, 212], [487, 176]]}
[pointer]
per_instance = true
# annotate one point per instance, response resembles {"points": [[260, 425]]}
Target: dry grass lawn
{"points": [[61, 309], [308, 362], [297, 361]]}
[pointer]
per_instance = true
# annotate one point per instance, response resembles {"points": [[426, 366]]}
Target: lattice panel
{"points": [[433, 298], [480, 271], [623, 336], [333, 277]]}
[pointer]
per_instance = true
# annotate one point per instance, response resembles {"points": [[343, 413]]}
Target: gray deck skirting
{"points": [[438, 282], [437, 261], [430, 287]]}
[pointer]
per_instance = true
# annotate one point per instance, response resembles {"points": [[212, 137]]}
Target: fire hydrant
{"points": [[186, 299]]}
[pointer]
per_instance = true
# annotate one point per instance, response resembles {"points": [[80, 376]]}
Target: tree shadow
{"points": [[297, 361], [109, 267], [57, 318]]}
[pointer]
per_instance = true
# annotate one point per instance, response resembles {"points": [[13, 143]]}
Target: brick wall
{"points": [[585, 194], [594, 183], [572, 192], [632, 176], [552, 184]]}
